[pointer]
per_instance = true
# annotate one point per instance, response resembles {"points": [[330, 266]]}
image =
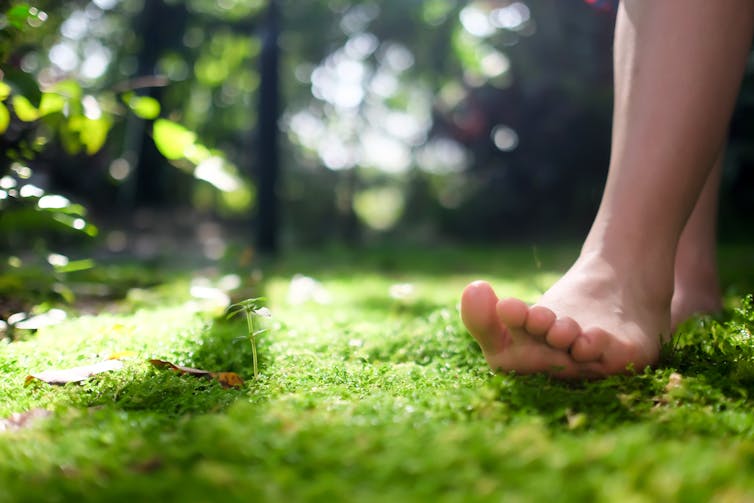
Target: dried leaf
{"points": [[675, 381], [151, 465], [21, 420], [75, 374], [180, 369], [226, 379]]}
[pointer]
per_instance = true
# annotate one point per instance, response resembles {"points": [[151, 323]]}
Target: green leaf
{"points": [[4, 118], [197, 153], [18, 14], [92, 132], [4, 90], [172, 139], [24, 109], [145, 107], [69, 139], [68, 89], [24, 84], [51, 103], [76, 265], [76, 224]]}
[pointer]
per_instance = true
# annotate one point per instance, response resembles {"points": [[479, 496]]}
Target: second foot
{"points": [[688, 303]]}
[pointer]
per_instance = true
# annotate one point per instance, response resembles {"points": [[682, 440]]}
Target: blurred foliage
{"points": [[391, 107], [407, 119], [44, 115]]}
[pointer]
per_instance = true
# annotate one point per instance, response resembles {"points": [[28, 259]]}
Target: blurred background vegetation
{"points": [[154, 128]]}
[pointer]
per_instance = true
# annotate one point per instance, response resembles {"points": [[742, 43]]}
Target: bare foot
{"points": [[689, 302], [697, 291], [592, 323]]}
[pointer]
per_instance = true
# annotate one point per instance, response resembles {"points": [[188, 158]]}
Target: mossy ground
{"points": [[376, 398]]}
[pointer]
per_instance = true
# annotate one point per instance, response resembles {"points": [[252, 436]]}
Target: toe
{"points": [[478, 314], [590, 345], [563, 333], [512, 312], [539, 321]]}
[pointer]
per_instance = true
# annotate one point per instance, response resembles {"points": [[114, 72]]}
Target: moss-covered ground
{"points": [[375, 394]]}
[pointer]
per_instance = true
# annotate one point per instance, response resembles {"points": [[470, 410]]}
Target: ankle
{"points": [[648, 278]]}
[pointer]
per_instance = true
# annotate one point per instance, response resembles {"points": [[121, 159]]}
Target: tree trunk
{"points": [[268, 148]]}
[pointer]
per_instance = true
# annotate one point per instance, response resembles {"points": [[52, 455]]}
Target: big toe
{"points": [[478, 302]]}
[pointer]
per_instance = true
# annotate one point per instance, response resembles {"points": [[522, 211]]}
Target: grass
{"points": [[375, 398]]}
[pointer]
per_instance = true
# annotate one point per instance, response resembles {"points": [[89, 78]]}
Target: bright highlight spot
{"points": [[303, 289], [476, 22], [511, 17], [53, 202], [119, 169], [213, 172], [401, 291], [64, 57], [7, 182], [91, 107], [495, 64], [505, 138], [442, 156], [21, 170], [380, 208], [30, 190], [57, 260]]}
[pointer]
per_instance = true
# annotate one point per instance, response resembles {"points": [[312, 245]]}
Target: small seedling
{"points": [[252, 309]]}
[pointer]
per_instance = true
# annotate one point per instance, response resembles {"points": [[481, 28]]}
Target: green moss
{"points": [[374, 398]]}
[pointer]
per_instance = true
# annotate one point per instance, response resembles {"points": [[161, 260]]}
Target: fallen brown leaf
{"points": [[75, 374], [226, 379], [21, 420], [149, 466], [178, 368]]}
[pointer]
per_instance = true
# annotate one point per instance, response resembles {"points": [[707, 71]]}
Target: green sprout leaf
{"points": [[251, 308]]}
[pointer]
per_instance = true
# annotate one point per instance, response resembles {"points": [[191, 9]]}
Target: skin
{"points": [[678, 67], [697, 286]]}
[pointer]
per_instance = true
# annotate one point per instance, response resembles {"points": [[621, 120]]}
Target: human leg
{"points": [[678, 64], [696, 283]]}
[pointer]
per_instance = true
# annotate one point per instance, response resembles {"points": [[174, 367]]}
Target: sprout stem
{"points": [[252, 339]]}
